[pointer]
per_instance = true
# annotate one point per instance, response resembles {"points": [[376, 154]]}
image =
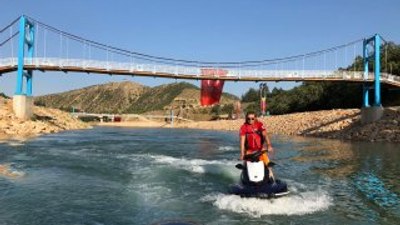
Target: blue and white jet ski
{"points": [[255, 180]]}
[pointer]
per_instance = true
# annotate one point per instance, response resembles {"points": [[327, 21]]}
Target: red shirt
{"points": [[253, 133]]}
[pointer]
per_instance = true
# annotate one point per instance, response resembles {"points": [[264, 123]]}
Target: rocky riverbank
{"points": [[45, 120], [335, 124]]}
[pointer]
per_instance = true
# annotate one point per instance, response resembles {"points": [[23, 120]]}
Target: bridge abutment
{"points": [[23, 106]]}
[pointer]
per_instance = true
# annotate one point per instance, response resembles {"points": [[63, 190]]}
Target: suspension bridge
{"points": [[28, 45]]}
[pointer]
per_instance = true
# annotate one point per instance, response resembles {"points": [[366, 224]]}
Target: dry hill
{"points": [[126, 97], [106, 98]]}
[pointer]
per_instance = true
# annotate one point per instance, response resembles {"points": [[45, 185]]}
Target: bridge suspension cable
{"points": [[59, 49], [9, 25], [8, 39], [192, 63], [11, 33]]}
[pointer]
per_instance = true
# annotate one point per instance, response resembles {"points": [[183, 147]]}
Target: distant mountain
{"points": [[127, 97]]}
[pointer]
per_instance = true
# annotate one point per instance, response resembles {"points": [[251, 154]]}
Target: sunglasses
{"points": [[251, 118]]}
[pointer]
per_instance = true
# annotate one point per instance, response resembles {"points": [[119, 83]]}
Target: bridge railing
{"points": [[390, 77], [180, 70], [8, 62], [188, 71], [159, 69]]}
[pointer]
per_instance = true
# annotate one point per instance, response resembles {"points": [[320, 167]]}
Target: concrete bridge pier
{"points": [[23, 106], [371, 114]]}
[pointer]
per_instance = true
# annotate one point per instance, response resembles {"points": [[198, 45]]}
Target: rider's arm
{"points": [[267, 141], [242, 148]]}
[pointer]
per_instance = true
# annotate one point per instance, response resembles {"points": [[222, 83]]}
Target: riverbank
{"points": [[335, 124], [341, 124], [44, 121]]}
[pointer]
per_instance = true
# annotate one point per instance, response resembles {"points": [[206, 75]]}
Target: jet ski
{"points": [[255, 180]]}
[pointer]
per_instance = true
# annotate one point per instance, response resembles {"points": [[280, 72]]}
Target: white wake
{"points": [[293, 204]]}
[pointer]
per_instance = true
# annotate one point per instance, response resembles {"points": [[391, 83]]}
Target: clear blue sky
{"points": [[209, 30]]}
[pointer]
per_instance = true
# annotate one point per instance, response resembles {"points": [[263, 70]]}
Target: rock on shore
{"points": [[45, 120]]}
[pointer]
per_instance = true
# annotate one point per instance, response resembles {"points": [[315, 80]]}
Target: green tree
{"points": [[251, 95], [4, 95], [227, 109], [216, 110]]}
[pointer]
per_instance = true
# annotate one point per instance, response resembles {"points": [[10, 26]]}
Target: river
{"points": [[145, 176]]}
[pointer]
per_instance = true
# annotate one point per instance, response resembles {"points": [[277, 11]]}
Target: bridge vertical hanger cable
{"points": [[325, 73], [84, 50], [132, 63], [67, 48], [316, 63], [112, 59], [197, 66], [285, 67], [90, 52], [240, 70], [12, 43], [345, 57], [373, 64], [44, 43], [108, 65], [61, 56], [36, 41], [386, 58], [354, 60], [336, 62]]}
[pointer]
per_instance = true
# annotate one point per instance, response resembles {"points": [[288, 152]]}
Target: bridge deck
{"points": [[192, 73]]}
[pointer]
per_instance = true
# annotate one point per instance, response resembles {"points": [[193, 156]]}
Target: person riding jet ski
{"points": [[257, 179], [253, 136]]}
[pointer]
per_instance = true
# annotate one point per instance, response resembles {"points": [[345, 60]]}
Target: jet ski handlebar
{"points": [[254, 157]]}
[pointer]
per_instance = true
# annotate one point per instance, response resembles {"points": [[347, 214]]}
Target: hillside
{"points": [[126, 97], [106, 98]]}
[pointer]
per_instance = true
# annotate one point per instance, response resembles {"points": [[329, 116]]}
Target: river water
{"points": [[146, 176]]}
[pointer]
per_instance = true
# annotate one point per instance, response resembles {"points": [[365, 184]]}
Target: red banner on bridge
{"points": [[211, 90]]}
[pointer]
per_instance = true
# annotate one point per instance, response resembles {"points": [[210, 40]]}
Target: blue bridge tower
{"points": [[371, 51], [23, 100]]}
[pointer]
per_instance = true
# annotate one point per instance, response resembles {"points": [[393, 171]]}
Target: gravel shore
{"points": [[335, 124]]}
